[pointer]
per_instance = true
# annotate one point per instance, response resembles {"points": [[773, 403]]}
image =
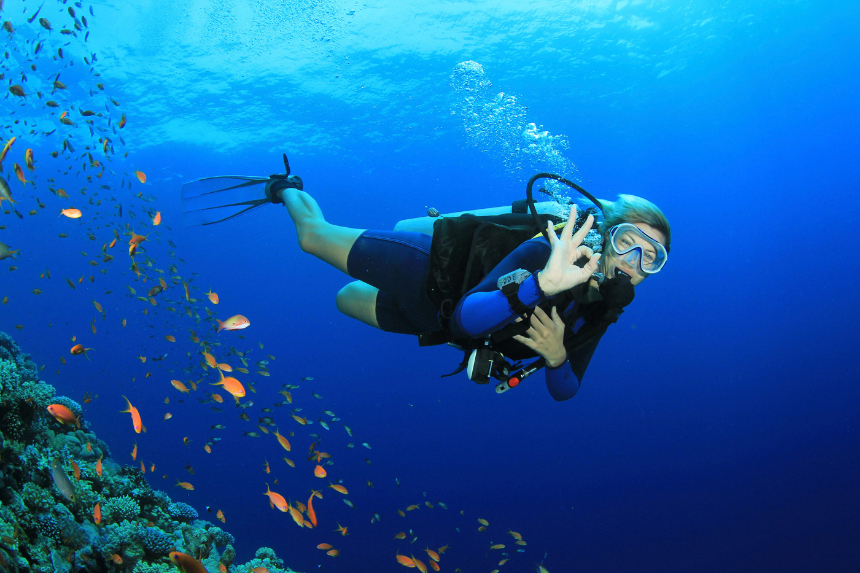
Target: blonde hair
{"points": [[633, 209]]}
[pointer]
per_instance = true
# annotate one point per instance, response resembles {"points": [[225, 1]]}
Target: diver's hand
{"points": [[545, 336], [560, 272]]}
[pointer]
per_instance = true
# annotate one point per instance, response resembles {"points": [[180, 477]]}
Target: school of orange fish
{"points": [[42, 47]]}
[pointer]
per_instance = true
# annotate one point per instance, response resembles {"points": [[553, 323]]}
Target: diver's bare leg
{"points": [[327, 242], [358, 300]]}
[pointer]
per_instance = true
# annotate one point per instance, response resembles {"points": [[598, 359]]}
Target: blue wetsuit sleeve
{"points": [[563, 381], [484, 309]]}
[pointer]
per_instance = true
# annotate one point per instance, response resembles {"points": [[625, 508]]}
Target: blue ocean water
{"points": [[716, 428]]}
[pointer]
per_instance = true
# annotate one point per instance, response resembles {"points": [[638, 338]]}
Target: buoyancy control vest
{"points": [[463, 252]]}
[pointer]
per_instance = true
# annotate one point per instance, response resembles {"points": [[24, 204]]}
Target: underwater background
{"points": [[717, 426]]}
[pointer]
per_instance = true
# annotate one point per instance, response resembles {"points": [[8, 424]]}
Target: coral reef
{"points": [[43, 529]]}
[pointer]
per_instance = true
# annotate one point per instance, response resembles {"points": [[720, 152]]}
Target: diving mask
{"points": [[628, 242]]}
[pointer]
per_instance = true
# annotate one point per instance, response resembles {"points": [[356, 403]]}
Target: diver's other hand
{"points": [[545, 336], [560, 272]]}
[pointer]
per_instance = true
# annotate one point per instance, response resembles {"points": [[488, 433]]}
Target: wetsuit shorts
{"points": [[397, 263]]}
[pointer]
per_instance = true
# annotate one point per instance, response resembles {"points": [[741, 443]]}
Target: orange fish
{"points": [[324, 546], [141, 176], [122, 121], [71, 213], [237, 322], [6, 148], [333, 552], [210, 360], [28, 159], [220, 516], [341, 529], [217, 397], [116, 558], [167, 416], [401, 535], [185, 485], [169, 338], [435, 566], [76, 470], [421, 567], [268, 471], [338, 488], [98, 306], [157, 219], [290, 462], [433, 555], [97, 513], [79, 349], [99, 466], [207, 449], [277, 500], [187, 563], [63, 415], [312, 515], [180, 386], [296, 514], [319, 471], [282, 440], [231, 385], [135, 417], [134, 452], [20, 173], [142, 467], [405, 561], [300, 420], [136, 239], [224, 366], [89, 448], [213, 296]]}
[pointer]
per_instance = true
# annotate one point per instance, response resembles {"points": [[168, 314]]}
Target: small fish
{"points": [[19, 173], [184, 485], [311, 513], [180, 386], [62, 481], [5, 192], [338, 488], [63, 415], [141, 176], [236, 322], [277, 500], [79, 349], [136, 421], [213, 298], [71, 213]]}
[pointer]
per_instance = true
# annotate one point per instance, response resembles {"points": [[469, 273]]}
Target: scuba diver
{"points": [[498, 284]]}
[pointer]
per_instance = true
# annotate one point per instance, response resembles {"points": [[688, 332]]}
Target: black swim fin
{"points": [[215, 199]]}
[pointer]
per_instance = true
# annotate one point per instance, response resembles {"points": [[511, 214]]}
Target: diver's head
{"points": [[636, 237]]}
